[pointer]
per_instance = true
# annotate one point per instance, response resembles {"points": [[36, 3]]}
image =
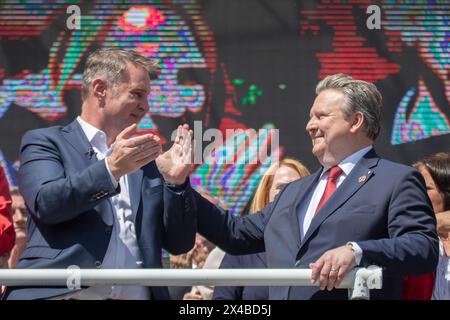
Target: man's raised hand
{"points": [[175, 165], [131, 153]]}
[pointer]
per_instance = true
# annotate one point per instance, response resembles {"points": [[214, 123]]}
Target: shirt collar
{"points": [[349, 163], [96, 137]]}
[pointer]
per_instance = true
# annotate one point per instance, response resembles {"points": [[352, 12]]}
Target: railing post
{"points": [[365, 280]]}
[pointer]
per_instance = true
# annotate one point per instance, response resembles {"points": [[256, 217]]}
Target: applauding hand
{"points": [[131, 153], [175, 164]]}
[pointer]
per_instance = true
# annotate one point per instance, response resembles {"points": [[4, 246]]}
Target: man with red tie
{"points": [[356, 210]]}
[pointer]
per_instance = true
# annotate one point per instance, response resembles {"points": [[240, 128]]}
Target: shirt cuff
{"points": [[357, 251], [113, 180]]}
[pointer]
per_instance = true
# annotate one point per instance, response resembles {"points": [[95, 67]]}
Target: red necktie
{"points": [[333, 175]]}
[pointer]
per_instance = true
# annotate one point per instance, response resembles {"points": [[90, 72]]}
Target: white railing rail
{"points": [[359, 281]]}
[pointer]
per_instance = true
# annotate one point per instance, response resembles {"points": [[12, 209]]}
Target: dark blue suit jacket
{"points": [[388, 213], [257, 260], [66, 191]]}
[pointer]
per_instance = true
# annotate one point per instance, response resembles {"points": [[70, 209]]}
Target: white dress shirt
{"points": [[123, 250], [307, 210]]}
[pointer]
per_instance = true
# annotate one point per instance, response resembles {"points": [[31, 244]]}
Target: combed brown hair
{"points": [[111, 64]]}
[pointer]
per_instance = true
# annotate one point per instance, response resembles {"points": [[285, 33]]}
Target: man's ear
{"points": [[357, 122], [99, 87]]}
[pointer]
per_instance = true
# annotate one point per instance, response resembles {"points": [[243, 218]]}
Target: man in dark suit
{"points": [[94, 191], [356, 210]]}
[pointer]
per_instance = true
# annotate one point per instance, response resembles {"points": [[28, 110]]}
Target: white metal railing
{"points": [[359, 281]]}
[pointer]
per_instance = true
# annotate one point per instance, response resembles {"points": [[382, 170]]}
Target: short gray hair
{"points": [[359, 96], [111, 64]]}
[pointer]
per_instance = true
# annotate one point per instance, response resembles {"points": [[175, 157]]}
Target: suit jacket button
{"points": [[108, 230], [98, 264]]}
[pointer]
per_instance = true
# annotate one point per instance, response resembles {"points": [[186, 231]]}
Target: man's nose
{"points": [[147, 104], [311, 125], [144, 105]]}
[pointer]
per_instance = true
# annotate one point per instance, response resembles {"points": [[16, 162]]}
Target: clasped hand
{"points": [[131, 153]]}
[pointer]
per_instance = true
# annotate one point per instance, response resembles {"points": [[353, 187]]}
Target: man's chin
{"points": [[130, 122], [317, 152], [134, 118]]}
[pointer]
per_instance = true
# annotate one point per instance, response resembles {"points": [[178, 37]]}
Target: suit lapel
{"points": [[135, 186], [75, 136], [361, 173], [305, 192]]}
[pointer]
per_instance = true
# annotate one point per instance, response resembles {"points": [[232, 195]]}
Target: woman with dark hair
{"points": [[436, 172]]}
